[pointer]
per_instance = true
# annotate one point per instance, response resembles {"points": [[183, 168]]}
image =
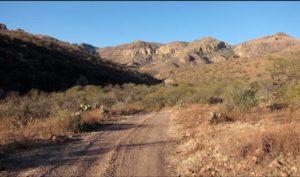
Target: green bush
{"points": [[241, 96]]}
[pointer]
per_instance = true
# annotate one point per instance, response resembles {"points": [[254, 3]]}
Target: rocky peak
{"points": [[142, 44], [207, 44], [3, 26], [205, 50], [87, 48], [135, 53], [138, 42], [171, 48], [266, 45], [280, 34]]}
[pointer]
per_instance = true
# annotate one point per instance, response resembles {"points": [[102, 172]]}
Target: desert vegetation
{"points": [[230, 117], [254, 131], [41, 115]]}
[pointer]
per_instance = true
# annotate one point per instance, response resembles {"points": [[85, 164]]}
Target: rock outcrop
{"points": [[206, 50], [139, 53], [3, 26], [133, 54], [162, 60], [170, 49]]}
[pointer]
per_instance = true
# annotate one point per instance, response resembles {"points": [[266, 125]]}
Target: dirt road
{"points": [[136, 146]]}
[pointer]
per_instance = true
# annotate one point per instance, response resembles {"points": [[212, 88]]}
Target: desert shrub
{"points": [[215, 100], [277, 106], [154, 100], [229, 116], [68, 121], [292, 95], [285, 77], [32, 106], [283, 72], [202, 93], [241, 96], [224, 117], [161, 95]]}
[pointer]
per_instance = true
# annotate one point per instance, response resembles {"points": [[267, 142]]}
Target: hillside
{"points": [[140, 53], [251, 61], [266, 45], [163, 60], [132, 54], [37, 61]]}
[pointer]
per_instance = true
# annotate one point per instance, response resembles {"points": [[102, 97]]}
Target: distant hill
{"points": [[140, 53], [162, 60], [266, 45], [37, 61], [250, 61]]}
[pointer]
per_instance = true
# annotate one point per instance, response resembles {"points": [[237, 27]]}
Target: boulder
{"points": [[3, 27], [214, 116], [275, 164], [169, 82]]}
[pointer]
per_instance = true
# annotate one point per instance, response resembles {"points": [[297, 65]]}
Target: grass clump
{"points": [[270, 143]]}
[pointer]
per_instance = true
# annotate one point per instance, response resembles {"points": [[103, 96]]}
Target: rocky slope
{"points": [[133, 54], [207, 149], [36, 61], [266, 45], [162, 60], [140, 53]]}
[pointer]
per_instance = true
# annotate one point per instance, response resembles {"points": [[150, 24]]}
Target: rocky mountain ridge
{"points": [[202, 51], [161, 60]]}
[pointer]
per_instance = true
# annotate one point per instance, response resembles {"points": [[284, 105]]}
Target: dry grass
{"points": [[254, 68], [14, 137], [269, 143], [43, 129], [249, 145], [44, 118]]}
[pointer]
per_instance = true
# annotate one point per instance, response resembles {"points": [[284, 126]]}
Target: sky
{"points": [[113, 23]]}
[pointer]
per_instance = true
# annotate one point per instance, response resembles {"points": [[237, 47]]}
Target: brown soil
{"points": [[260, 143], [135, 146]]}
